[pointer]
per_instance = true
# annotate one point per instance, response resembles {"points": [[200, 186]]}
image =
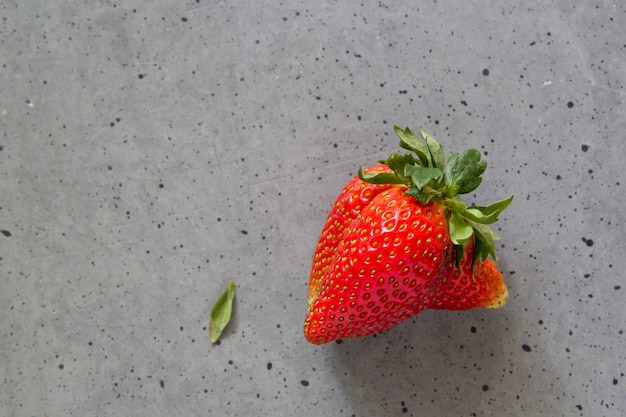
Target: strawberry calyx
{"points": [[429, 176]]}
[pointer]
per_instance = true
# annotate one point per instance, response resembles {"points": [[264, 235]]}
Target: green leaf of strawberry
{"points": [[463, 172], [398, 240], [421, 176], [460, 229], [436, 151], [381, 177], [409, 141]]}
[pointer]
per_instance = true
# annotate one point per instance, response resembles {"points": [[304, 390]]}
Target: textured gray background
{"points": [[153, 151]]}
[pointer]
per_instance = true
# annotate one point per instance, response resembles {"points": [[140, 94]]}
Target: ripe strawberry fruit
{"points": [[398, 241]]}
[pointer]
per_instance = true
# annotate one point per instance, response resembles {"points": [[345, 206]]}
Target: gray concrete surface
{"points": [[153, 151]]}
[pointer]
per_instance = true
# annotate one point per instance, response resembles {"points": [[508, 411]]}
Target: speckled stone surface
{"points": [[152, 151]]}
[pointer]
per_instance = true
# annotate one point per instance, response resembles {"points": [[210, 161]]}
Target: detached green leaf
{"points": [[221, 312]]}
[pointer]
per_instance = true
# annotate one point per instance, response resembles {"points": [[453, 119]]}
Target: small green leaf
{"points": [[423, 196], [472, 213], [477, 219], [420, 175], [409, 141], [435, 149], [397, 162], [485, 242], [497, 207], [460, 251], [460, 229], [221, 312], [463, 172], [380, 177]]}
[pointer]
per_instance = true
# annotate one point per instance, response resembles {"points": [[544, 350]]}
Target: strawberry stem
{"points": [[429, 176]]}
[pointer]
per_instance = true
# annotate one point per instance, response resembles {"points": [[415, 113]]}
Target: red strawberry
{"points": [[398, 241]]}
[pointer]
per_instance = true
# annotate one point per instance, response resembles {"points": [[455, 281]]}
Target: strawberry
{"points": [[398, 240]]}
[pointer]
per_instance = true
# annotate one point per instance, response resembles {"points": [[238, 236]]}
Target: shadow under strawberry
{"points": [[438, 363]]}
